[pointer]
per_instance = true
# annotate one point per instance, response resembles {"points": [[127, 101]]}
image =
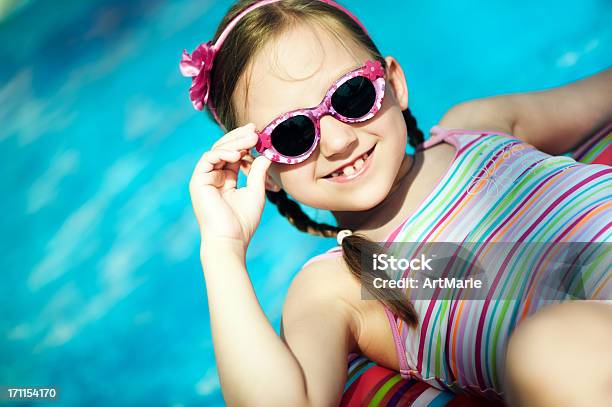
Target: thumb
{"points": [[256, 180]]}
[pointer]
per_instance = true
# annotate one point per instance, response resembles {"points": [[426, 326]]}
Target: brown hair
{"points": [[248, 36]]}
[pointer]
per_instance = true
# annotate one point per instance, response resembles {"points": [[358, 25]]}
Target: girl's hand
{"points": [[222, 210]]}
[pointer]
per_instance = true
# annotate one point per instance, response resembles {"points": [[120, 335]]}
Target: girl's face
{"points": [[295, 71]]}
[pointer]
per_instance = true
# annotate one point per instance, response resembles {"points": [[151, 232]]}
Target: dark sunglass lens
{"points": [[354, 98], [294, 136]]}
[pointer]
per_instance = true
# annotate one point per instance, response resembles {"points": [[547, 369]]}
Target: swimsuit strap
{"points": [[597, 149], [399, 344], [333, 252]]}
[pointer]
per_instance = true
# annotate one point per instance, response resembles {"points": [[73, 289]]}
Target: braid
{"points": [[415, 135], [354, 248], [296, 216]]}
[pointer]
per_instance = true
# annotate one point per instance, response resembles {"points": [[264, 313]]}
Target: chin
{"points": [[367, 198], [361, 199]]}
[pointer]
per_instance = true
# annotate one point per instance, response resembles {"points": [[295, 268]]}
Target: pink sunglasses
{"points": [[354, 98]]}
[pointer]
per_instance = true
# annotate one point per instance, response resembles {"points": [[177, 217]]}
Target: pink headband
{"points": [[198, 65]]}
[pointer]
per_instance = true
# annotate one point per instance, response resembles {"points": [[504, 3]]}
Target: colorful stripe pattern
{"points": [[371, 385], [596, 150], [498, 189]]}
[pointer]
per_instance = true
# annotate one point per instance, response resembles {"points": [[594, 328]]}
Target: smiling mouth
{"points": [[352, 169]]}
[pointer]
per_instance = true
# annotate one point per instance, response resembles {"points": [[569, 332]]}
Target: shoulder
{"points": [[325, 276], [492, 114], [331, 253], [323, 284]]}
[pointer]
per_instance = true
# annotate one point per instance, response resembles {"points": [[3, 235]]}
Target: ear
{"points": [[245, 166], [397, 81]]}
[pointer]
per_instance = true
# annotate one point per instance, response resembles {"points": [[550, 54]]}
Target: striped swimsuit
{"points": [[501, 189]]}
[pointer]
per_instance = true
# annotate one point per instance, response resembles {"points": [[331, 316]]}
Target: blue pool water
{"points": [[102, 292]]}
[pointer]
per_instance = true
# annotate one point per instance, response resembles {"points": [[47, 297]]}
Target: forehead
{"points": [[293, 71]]}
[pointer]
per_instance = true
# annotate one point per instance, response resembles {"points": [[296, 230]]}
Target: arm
{"points": [[319, 327], [256, 366], [553, 121]]}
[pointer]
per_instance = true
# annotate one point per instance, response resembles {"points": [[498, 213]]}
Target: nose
{"points": [[336, 137]]}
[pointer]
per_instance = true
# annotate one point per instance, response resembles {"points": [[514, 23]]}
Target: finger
{"points": [[224, 157], [211, 159], [229, 180], [236, 134], [221, 178], [245, 142], [256, 180], [226, 171]]}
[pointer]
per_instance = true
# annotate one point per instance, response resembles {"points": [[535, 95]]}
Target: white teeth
{"points": [[348, 170], [358, 163], [351, 169]]}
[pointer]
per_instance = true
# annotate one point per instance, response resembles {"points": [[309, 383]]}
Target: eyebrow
{"points": [[343, 72], [339, 76]]}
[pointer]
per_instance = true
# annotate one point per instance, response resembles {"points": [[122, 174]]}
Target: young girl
{"points": [[301, 83]]}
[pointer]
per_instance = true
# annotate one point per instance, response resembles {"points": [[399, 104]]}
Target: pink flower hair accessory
{"points": [[198, 66]]}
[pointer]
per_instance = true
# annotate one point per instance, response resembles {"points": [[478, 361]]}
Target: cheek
{"points": [[299, 182], [391, 127], [291, 176]]}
